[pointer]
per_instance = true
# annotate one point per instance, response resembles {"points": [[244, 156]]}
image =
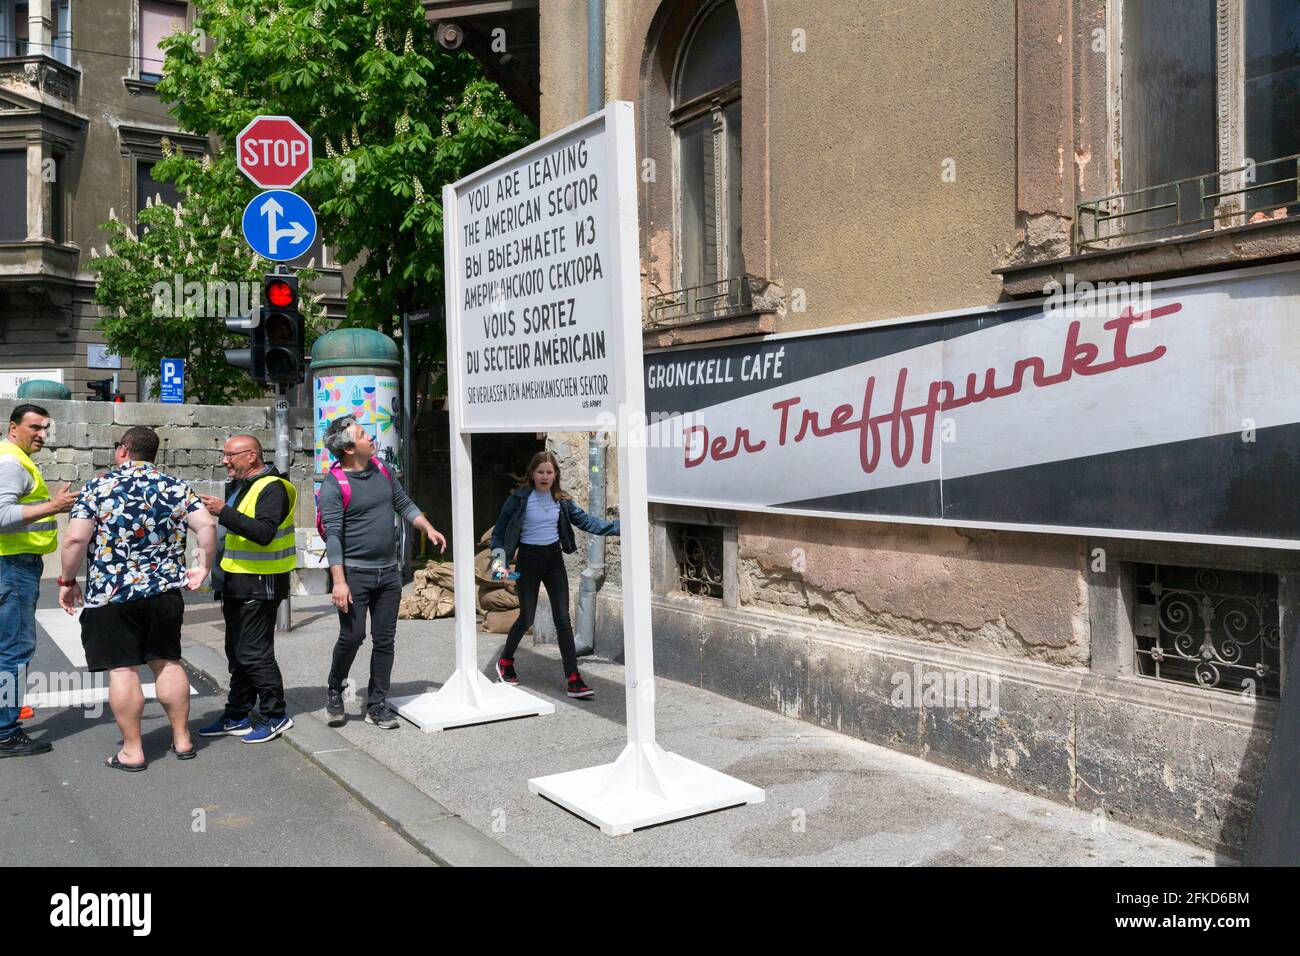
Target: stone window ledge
{"points": [[39, 258], [1223, 248], [140, 87], [731, 326]]}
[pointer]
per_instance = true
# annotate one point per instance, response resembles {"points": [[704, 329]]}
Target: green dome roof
{"points": [[354, 347], [44, 388]]}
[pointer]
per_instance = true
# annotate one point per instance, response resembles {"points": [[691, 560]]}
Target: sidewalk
{"points": [[831, 799]]}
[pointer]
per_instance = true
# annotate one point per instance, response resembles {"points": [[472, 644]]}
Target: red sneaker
{"points": [[506, 670], [578, 687]]}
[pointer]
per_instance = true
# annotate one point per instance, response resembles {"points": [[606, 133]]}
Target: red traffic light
{"points": [[279, 293]]}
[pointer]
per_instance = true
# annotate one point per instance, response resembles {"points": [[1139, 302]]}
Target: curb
{"points": [[422, 821]]}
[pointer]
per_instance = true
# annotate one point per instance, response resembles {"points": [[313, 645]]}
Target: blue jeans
{"points": [[20, 584]]}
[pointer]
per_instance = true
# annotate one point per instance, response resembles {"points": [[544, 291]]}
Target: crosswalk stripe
{"points": [[82, 696], [65, 630]]}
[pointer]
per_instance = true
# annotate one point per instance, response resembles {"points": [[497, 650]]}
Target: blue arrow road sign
{"points": [[172, 387], [279, 225]]}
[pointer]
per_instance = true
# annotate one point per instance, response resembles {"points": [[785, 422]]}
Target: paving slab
{"points": [[830, 799]]}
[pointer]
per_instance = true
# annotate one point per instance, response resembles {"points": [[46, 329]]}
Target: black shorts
{"points": [[133, 632]]}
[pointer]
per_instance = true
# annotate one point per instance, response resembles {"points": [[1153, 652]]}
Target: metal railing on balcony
{"points": [[699, 303], [1232, 197]]}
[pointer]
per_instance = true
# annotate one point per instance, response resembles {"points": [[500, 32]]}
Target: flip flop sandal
{"points": [[128, 767], [184, 754]]}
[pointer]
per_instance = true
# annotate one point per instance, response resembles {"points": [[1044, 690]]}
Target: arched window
{"points": [[706, 126]]}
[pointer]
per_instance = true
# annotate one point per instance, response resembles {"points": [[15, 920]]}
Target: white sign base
{"points": [[468, 698], [645, 786]]}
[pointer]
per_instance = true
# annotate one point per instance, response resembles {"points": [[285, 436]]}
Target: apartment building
{"points": [[81, 127], [885, 193]]}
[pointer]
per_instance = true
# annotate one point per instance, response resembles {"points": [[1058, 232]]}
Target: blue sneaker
{"points": [[223, 726], [268, 730]]}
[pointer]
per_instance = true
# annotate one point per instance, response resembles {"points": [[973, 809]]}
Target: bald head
{"points": [[242, 456], [249, 440]]}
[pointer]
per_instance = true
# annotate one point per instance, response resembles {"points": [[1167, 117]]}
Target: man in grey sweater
{"points": [[361, 547]]}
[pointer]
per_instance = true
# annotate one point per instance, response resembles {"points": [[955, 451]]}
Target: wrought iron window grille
{"points": [[699, 559], [1212, 628]]}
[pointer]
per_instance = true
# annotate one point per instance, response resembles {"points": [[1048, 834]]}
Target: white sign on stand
{"points": [[544, 334]]}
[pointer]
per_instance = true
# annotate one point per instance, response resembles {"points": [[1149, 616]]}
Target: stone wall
{"points": [[1174, 760], [81, 444]]}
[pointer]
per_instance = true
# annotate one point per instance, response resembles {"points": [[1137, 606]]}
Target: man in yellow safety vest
{"points": [[259, 552], [28, 530]]}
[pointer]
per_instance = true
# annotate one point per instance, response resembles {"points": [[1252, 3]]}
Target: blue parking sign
{"points": [[172, 386]]}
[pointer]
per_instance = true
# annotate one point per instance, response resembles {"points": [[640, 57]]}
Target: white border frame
{"points": [[618, 211]]}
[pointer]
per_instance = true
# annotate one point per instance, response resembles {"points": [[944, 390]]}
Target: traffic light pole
{"points": [[282, 462]]}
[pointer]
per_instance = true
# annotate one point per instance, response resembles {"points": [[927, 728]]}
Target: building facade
{"points": [[81, 127], [807, 169]]}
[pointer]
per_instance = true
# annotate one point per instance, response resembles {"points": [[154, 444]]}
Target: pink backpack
{"points": [[341, 477]]}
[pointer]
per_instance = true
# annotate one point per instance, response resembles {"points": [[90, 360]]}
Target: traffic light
{"points": [[101, 389], [275, 332], [253, 358], [104, 390], [282, 329]]}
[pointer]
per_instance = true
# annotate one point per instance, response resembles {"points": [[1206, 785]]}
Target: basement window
{"points": [[698, 550], [1208, 627]]}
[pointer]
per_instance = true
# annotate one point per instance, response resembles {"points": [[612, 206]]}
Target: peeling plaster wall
{"points": [[1017, 595]]}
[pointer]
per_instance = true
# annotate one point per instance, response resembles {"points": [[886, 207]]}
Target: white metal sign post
{"points": [[467, 697], [544, 334], [646, 784]]}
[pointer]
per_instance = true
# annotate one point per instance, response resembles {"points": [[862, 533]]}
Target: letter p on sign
{"points": [[274, 152]]}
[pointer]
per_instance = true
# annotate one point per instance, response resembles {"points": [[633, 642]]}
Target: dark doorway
{"points": [[499, 463]]}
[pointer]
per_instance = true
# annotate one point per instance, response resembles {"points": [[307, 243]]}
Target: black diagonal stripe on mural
{"points": [[727, 365], [920, 499], [1174, 488]]}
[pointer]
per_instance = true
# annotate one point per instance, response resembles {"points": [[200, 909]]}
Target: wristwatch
{"points": [[66, 584]]}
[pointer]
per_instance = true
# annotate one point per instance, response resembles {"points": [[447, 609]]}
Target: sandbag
{"points": [[440, 574], [500, 622], [497, 599]]}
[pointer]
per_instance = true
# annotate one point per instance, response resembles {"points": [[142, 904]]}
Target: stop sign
{"points": [[273, 151]]}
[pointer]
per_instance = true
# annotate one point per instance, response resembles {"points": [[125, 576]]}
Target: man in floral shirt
{"points": [[134, 519]]}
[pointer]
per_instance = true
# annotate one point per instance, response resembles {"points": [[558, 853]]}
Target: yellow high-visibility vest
{"points": [[243, 556], [41, 536]]}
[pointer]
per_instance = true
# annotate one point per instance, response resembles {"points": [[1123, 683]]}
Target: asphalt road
{"points": [[235, 804]]}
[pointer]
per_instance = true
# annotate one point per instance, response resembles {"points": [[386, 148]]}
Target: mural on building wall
{"points": [[1169, 410], [372, 399]]}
